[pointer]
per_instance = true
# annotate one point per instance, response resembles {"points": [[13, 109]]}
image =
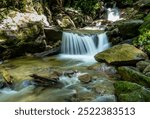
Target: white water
{"points": [[74, 44], [113, 14]]}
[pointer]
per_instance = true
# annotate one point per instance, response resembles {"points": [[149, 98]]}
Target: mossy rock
{"points": [[135, 96], [126, 28], [124, 54], [125, 87], [142, 65], [26, 40], [147, 18], [131, 92], [132, 75]]}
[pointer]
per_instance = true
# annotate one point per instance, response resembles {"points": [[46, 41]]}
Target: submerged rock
{"points": [[124, 54], [131, 92], [132, 75]]}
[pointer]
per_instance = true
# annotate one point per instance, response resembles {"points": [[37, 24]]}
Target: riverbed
{"points": [[99, 88]]}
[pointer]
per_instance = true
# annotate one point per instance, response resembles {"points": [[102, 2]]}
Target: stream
{"points": [[99, 89], [76, 59]]}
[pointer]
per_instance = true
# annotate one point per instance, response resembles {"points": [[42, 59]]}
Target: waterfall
{"points": [[75, 44], [113, 14]]}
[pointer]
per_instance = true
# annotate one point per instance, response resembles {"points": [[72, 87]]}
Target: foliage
{"points": [[90, 7], [143, 41], [19, 4]]}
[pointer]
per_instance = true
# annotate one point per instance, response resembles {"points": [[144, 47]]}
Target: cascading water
{"points": [[113, 14], [83, 47], [74, 44]]}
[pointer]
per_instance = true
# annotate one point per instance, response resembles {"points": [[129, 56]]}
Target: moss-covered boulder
{"points": [[126, 28], [131, 92], [124, 54], [132, 75], [27, 39]]}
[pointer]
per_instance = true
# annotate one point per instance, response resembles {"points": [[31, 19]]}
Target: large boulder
{"points": [[131, 92], [27, 39], [21, 32], [126, 28], [124, 54], [132, 75]]}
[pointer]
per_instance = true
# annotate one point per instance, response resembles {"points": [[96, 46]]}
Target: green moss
{"points": [[89, 7], [131, 97], [147, 18], [132, 75], [143, 41], [131, 92], [147, 48], [125, 87], [121, 54]]}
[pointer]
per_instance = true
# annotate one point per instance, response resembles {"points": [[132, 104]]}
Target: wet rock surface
{"points": [[124, 54], [85, 78], [53, 81]]}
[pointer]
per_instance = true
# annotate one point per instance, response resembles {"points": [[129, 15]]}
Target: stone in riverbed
{"points": [[131, 92], [85, 78], [124, 54], [132, 75]]}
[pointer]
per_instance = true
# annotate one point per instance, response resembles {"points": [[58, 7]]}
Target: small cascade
{"points": [[113, 14], [74, 44], [103, 42]]}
